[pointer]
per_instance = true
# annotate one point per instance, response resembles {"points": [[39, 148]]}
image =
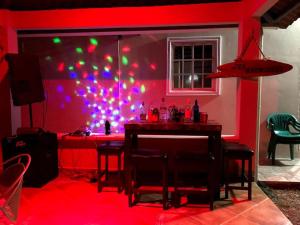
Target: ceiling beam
{"points": [[177, 15], [257, 8]]}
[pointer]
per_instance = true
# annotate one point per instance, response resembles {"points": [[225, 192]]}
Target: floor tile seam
{"points": [[245, 211]]}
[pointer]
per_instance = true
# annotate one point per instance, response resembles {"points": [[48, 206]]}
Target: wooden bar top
{"points": [[171, 127]]}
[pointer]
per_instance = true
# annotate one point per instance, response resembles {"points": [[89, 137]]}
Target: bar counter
{"points": [[210, 133]]}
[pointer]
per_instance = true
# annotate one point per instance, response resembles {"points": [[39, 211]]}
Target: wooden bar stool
{"points": [[110, 148], [143, 184], [193, 175], [236, 151]]}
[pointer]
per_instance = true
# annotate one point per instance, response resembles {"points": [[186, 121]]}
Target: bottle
{"points": [[163, 111], [107, 127], [188, 112], [196, 112], [142, 112]]}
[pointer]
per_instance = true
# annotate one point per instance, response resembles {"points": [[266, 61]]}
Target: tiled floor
{"points": [[66, 200], [285, 170]]}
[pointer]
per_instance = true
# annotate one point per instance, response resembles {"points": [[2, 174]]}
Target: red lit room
{"points": [[138, 112]]}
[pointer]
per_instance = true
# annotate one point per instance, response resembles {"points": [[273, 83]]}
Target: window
{"points": [[190, 61]]}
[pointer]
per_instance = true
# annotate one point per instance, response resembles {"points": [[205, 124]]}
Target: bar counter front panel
{"points": [[204, 137]]}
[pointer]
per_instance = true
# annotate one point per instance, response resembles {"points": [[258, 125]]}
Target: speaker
{"points": [[42, 147], [25, 79]]}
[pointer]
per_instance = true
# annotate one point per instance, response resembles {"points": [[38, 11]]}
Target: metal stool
{"points": [[236, 151], [110, 148]]}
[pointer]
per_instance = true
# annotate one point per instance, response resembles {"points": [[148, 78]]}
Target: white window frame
{"points": [[171, 42]]}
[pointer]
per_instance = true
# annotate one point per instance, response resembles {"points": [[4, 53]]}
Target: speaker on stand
{"points": [[25, 80], [27, 88]]}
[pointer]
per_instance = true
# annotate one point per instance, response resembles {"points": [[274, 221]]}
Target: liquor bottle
{"points": [[196, 112], [107, 127], [188, 112], [163, 111], [142, 112]]}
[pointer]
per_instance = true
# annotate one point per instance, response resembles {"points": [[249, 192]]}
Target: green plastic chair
{"points": [[285, 129]]}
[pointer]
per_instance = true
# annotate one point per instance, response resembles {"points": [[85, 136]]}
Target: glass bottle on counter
{"points": [[163, 110], [142, 112], [196, 112], [188, 111]]}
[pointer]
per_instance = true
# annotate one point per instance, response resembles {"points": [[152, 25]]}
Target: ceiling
{"points": [[281, 15]]}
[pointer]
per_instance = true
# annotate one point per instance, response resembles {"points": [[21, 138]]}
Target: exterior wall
{"points": [[280, 93], [145, 49]]}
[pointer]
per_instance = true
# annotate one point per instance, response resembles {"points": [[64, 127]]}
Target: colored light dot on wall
{"points": [[116, 112], [56, 40], [131, 79], [125, 49], [61, 67], [109, 58], [79, 50], [153, 66], [91, 48], [71, 68], [132, 107], [129, 98], [48, 58], [77, 81], [73, 74], [124, 86], [143, 89], [135, 65], [124, 60], [93, 41], [116, 78], [114, 123], [95, 67], [106, 68], [81, 62]]}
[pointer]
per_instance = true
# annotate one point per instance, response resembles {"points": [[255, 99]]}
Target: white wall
{"points": [[280, 93]]}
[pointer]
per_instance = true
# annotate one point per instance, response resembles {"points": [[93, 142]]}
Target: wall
{"points": [[280, 93], [146, 56]]}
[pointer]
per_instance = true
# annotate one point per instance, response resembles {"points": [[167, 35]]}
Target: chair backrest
{"points": [[279, 121], [11, 180]]}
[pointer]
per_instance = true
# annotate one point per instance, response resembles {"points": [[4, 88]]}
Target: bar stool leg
{"points": [[119, 173], [165, 184], [129, 186], [106, 167], [226, 177], [99, 172], [243, 173], [250, 178]]}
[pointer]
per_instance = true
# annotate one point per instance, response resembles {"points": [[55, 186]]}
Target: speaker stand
{"points": [[30, 115]]}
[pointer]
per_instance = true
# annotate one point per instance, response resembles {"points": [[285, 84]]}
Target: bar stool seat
{"points": [[236, 151], [110, 148]]}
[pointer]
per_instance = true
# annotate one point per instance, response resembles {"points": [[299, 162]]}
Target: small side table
{"points": [[110, 148]]}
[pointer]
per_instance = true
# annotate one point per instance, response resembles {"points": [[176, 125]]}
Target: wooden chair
{"points": [[11, 180], [285, 129]]}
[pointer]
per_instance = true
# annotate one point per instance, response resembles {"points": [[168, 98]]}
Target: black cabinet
{"points": [[42, 147]]}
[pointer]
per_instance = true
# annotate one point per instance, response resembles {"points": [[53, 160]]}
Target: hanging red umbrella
{"points": [[250, 68]]}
